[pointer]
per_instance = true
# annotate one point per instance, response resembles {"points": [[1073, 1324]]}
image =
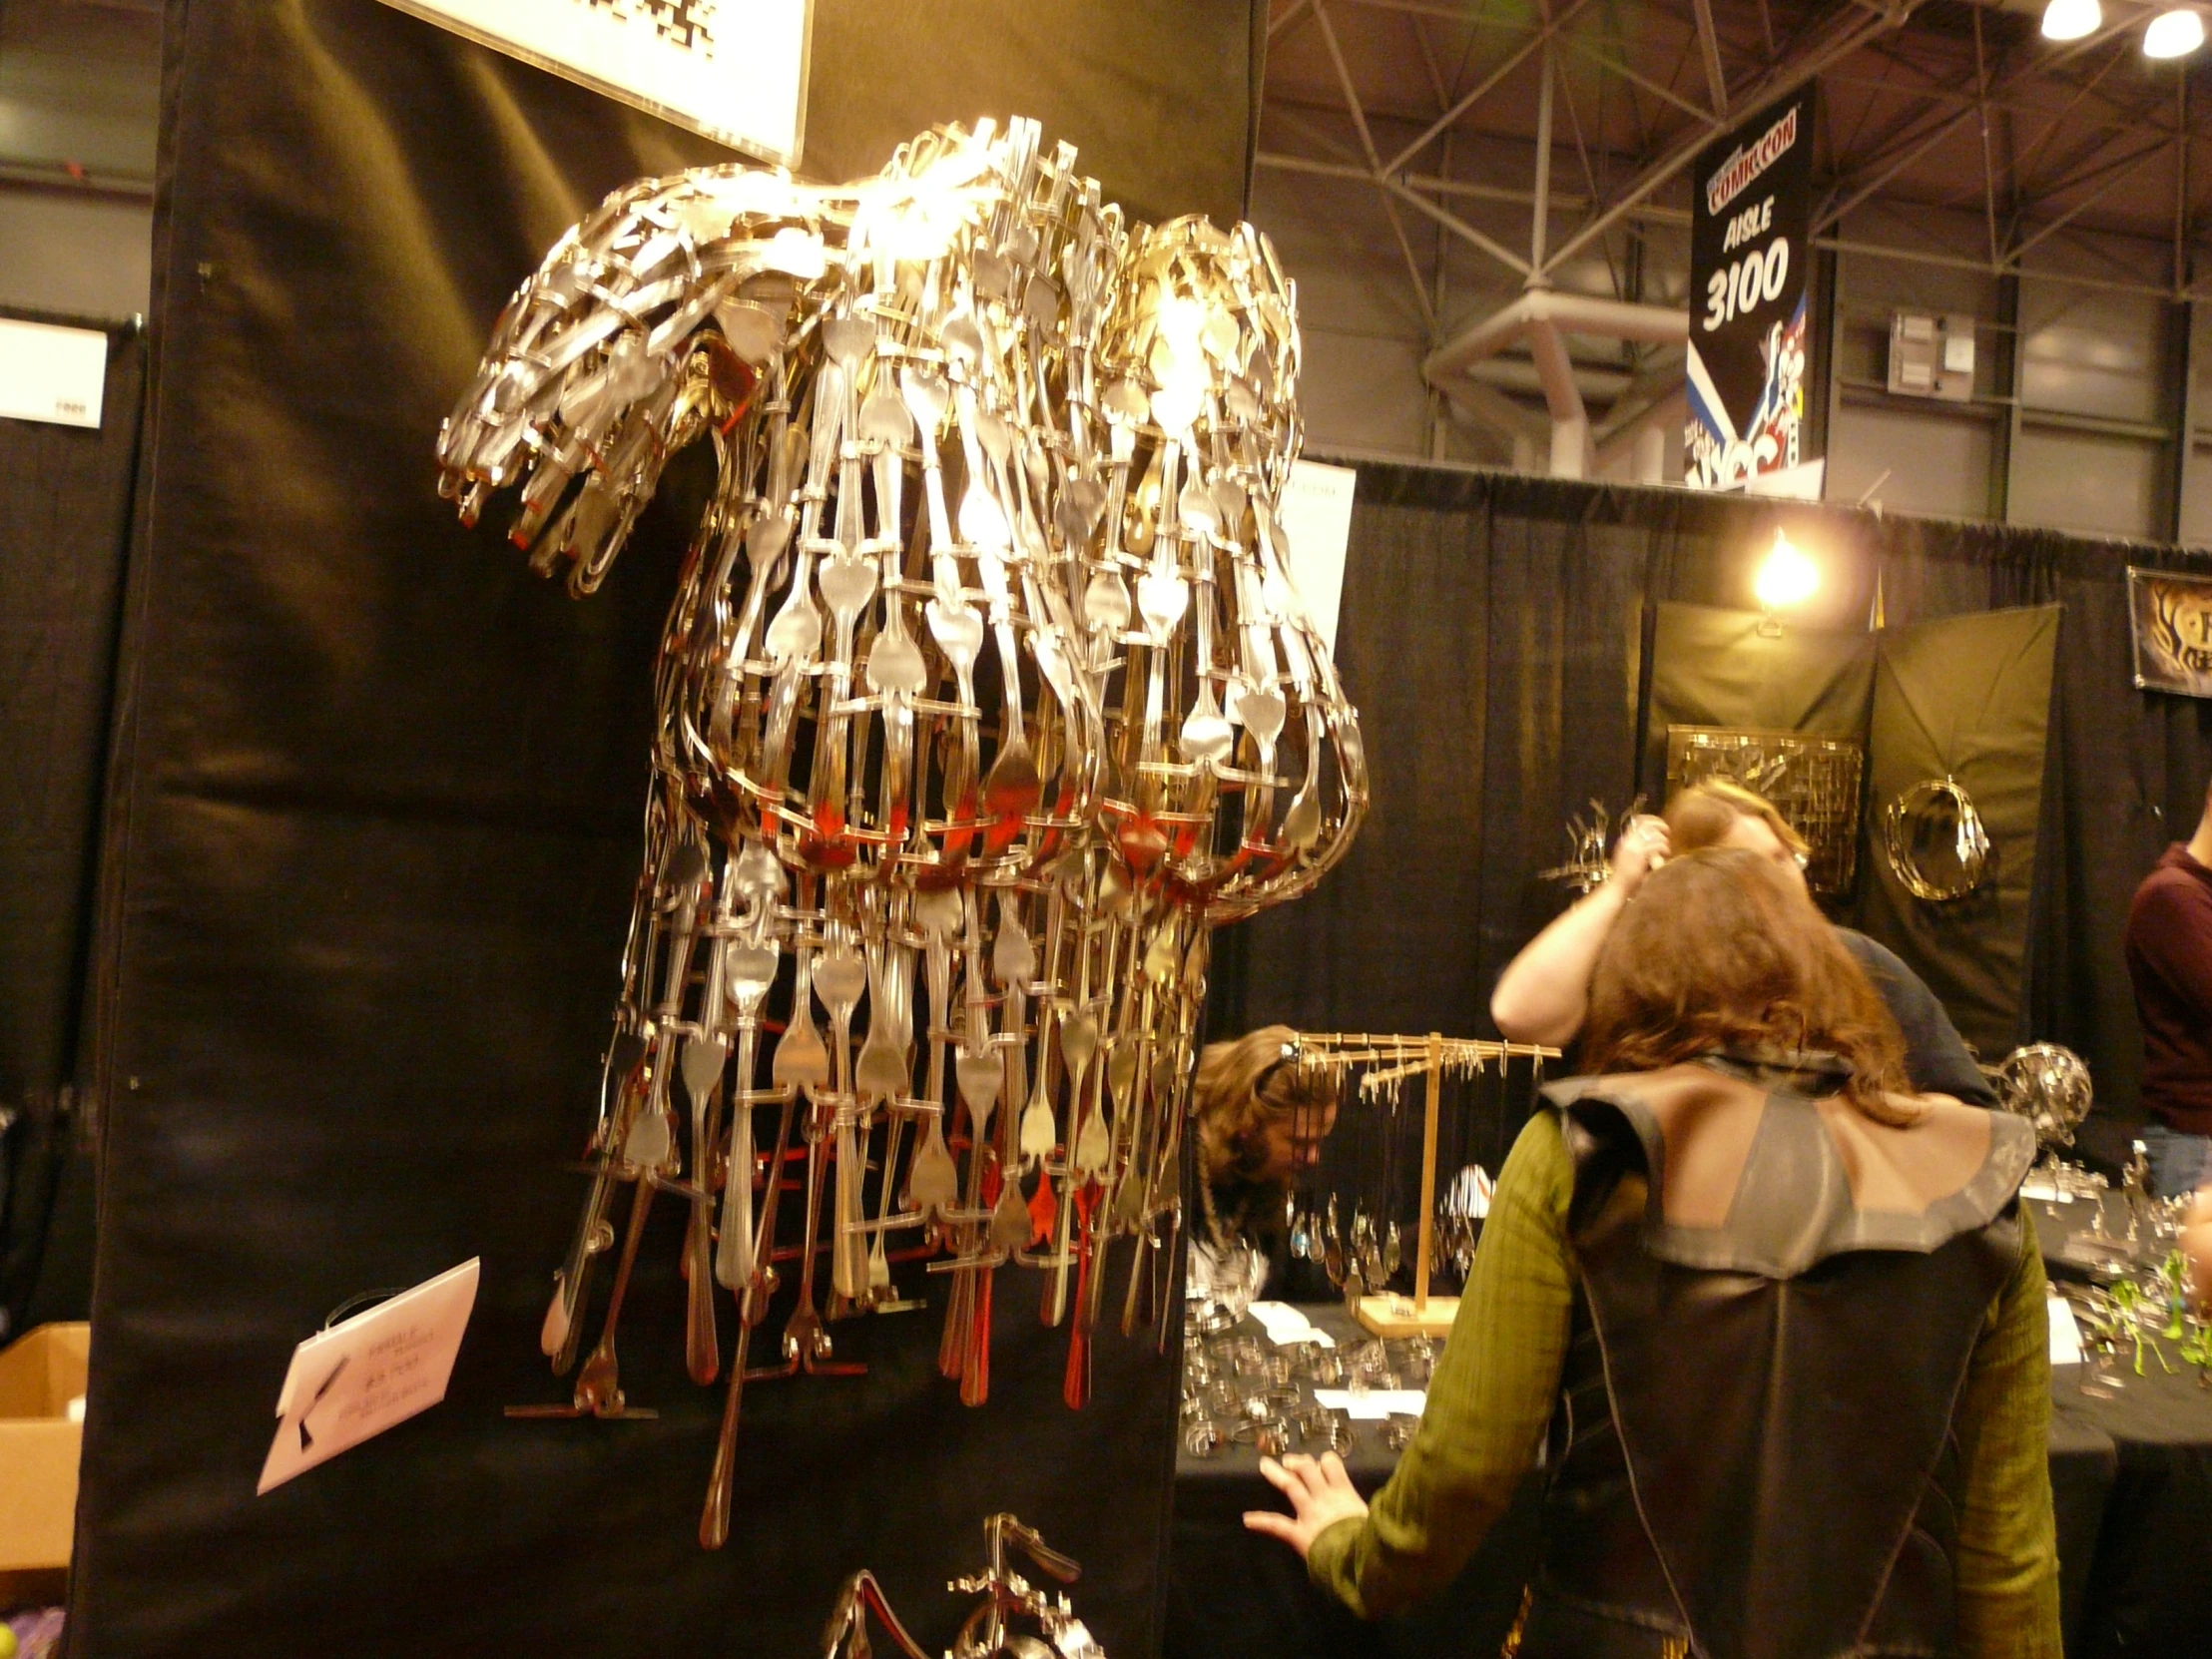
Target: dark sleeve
{"points": [[1936, 1056], [2170, 929]]}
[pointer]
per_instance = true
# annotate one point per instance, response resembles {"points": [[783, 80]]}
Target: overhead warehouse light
{"points": [[2071, 19], [2173, 34]]}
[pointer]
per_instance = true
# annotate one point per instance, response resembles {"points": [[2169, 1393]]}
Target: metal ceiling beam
{"points": [[1709, 43], [1783, 79], [1367, 142], [1512, 61]]}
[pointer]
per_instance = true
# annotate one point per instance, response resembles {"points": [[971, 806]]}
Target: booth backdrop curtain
{"points": [[65, 517], [1496, 635], [370, 844]]}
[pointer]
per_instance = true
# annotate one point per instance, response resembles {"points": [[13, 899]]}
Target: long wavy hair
{"points": [[1718, 950], [1245, 1087]]}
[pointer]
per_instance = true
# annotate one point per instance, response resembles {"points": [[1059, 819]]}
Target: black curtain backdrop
{"points": [[65, 515], [1496, 632], [370, 840]]}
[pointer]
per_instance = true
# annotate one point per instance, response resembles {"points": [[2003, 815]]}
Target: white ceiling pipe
{"points": [[1598, 384], [1572, 314]]}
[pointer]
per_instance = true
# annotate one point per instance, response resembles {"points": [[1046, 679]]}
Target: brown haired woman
{"points": [[1542, 995], [1261, 1119], [1784, 1324]]}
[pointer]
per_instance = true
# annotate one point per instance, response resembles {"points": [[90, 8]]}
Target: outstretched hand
{"points": [[1321, 1495]]}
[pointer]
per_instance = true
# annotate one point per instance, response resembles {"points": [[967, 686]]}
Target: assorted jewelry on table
{"points": [[995, 1629], [1243, 1390], [916, 734]]}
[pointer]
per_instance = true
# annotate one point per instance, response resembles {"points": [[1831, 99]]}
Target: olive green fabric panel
{"points": [[1714, 667], [1967, 697]]}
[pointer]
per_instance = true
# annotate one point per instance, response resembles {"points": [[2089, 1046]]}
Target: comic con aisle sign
{"points": [[1750, 249]]}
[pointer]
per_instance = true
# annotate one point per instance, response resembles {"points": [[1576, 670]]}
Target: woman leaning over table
{"points": [[1743, 1166]]}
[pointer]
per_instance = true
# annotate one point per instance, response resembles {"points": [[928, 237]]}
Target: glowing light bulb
{"points": [[2173, 34], [1788, 577], [2071, 19]]}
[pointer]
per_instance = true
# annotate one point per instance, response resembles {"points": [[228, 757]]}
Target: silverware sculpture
{"points": [[985, 678]]}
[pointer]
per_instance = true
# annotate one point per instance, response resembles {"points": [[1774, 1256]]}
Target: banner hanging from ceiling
{"points": [[1750, 251], [735, 70]]}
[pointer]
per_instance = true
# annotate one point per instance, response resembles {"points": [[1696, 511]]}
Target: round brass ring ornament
{"points": [[1972, 841]]}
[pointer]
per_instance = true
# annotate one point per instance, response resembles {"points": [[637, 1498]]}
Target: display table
{"points": [[2131, 1484]]}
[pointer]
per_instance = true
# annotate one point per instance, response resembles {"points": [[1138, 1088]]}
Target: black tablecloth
{"points": [[2131, 1483], [1232, 1594], [2145, 1584]]}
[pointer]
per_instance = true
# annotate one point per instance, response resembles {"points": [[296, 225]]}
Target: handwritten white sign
{"points": [[50, 374], [367, 1372], [735, 70], [1315, 514]]}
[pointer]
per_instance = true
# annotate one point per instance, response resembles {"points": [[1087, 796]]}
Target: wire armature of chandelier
{"points": [[985, 679]]}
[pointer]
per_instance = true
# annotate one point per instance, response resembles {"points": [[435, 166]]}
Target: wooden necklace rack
{"points": [[1386, 1062]]}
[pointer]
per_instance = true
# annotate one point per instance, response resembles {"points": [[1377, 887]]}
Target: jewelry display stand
{"points": [[1392, 1061]]}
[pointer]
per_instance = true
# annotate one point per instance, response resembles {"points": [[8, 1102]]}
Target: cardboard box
{"points": [[39, 1445]]}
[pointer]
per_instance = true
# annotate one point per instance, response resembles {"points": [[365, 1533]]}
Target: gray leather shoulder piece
{"points": [[1792, 1207]]}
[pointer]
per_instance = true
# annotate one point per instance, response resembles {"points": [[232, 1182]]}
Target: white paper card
{"points": [[1375, 1403], [367, 1372], [2065, 1335], [50, 374], [1285, 1324], [735, 70], [1315, 514]]}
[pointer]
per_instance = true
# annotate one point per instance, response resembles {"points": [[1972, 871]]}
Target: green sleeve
{"points": [[2008, 1562], [1490, 1398]]}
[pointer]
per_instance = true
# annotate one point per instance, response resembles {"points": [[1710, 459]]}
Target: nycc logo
{"points": [[1745, 164]]}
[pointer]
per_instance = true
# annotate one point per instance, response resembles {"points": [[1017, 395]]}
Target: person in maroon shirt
{"points": [[2169, 957]]}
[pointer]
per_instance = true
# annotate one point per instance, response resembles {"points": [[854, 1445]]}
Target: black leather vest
{"points": [[1752, 1455]]}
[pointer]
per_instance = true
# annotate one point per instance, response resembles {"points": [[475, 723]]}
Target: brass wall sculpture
{"points": [[985, 678]]}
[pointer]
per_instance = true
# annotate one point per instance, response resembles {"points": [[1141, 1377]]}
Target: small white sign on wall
{"points": [[367, 1372], [1315, 514], [50, 374], [735, 70]]}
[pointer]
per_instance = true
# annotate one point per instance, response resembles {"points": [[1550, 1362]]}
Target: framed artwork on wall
{"points": [[2170, 618]]}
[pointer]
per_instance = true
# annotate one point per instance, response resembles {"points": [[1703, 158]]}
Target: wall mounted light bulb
{"points": [[1786, 577]]}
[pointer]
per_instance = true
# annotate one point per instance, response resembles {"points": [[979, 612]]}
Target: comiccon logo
{"points": [[1746, 165]]}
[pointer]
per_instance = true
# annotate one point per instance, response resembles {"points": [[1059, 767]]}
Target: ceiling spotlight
{"points": [[1787, 578], [2071, 19], [2173, 34]]}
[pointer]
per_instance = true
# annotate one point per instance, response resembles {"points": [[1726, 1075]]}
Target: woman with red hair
{"points": [[1778, 1322]]}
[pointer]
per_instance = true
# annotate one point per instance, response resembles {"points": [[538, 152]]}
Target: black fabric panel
{"points": [[1968, 698], [369, 856], [65, 514]]}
